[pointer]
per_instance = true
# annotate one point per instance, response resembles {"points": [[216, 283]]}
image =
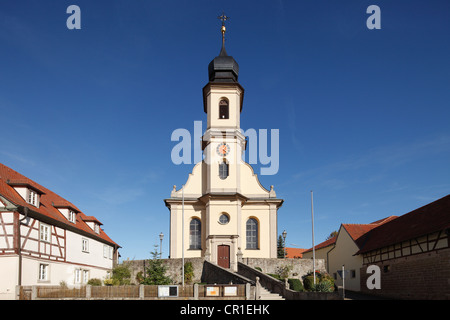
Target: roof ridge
{"points": [[418, 222]]}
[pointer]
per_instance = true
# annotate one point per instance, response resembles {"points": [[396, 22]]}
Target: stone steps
{"points": [[265, 294]]}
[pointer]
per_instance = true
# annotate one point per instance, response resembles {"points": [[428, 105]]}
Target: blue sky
{"points": [[363, 114]]}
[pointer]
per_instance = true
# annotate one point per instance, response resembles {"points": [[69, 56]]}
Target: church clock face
{"points": [[223, 149]]}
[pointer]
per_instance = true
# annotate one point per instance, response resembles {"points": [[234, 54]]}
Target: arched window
{"points": [[223, 109], [252, 233], [223, 170], [195, 234]]}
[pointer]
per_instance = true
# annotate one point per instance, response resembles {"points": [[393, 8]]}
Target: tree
{"points": [[156, 271], [281, 252], [120, 275], [333, 234], [188, 272]]}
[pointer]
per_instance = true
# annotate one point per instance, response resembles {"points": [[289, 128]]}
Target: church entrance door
{"points": [[223, 256]]}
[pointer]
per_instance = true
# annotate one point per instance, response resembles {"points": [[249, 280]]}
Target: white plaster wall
{"points": [[342, 254], [6, 242], [93, 258], [8, 276], [233, 94], [57, 272]]}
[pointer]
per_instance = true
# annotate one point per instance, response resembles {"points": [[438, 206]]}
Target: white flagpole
{"points": [[182, 235], [314, 252]]}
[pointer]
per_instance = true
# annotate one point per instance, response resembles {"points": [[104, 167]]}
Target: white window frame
{"points": [[85, 275], [45, 232], [77, 276], [107, 252], [96, 228], [32, 197], [43, 274], [85, 245], [72, 216]]}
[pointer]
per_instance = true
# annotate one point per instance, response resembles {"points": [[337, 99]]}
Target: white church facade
{"points": [[223, 212]]}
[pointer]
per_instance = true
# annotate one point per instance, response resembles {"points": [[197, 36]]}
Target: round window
{"points": [[224, 218]]}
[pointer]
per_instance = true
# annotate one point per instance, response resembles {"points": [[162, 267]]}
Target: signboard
{"points": [[212, 291], [230, 291], [167, 291]]}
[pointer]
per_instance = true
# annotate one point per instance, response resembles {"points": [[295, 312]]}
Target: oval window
{"points": [[224, 218]]}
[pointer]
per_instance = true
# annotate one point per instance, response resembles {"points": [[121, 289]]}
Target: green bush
{"points": [[324, 282], [111, 282], [95, 282], [308, 282], [273, 275], [324, 286], [121, 274], [295, 284], [188, 272]]}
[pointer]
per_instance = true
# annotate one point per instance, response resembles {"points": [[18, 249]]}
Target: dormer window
{"points": [[72, 216], [223, 109], [32, 198], [67, 210], [30, 193], [93, 223]]}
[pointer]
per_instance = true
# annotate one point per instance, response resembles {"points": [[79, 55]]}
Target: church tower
{"points": [[223, 213]]}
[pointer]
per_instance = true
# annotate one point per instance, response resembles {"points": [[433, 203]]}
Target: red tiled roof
{"points": [[48, 203], [91, 219], [358, 231], [430, 218], [324, 244], [294, 253]]}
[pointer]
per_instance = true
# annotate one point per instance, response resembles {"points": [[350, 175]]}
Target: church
{"points": [[223, 213]]}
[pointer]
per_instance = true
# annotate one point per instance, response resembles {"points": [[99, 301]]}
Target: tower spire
{"points": [[223, 18]]}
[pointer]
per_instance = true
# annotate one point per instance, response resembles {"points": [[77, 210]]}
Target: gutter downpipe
{"points": [[23, 210]]}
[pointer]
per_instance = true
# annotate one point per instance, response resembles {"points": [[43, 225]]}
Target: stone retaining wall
{"points": [[299, 267]]}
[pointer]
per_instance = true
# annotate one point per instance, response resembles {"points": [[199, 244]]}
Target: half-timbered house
{"points": [[45, 239], [412, 253]]}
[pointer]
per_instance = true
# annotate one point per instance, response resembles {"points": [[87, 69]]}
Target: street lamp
{"points": [[161, 237], [284, 243]]}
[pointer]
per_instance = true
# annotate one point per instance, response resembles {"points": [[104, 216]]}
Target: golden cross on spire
{"points": [[223, 18]]}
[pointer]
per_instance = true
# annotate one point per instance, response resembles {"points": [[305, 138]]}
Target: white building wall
{"points": [[94, 255], [8, 276], [57, 272], [343, 254], [6, 234]]}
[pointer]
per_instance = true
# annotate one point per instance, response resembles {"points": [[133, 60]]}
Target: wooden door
{"points": [[223, 256]]}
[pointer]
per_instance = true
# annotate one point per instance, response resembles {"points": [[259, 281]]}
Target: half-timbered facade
{"points": [[45, 239], [412, 253]]}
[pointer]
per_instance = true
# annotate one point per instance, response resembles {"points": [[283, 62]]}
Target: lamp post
{"points": [[182, 235], [284, 243], [314, 252], [161, 237]]}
